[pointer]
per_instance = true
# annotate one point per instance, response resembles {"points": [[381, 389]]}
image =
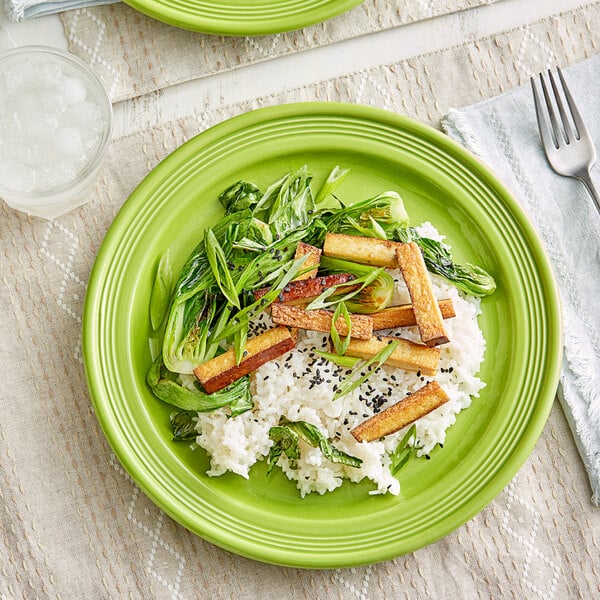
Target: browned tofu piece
{"points": [[302, 291], [404, 315], [313, 260], [427, 311], [361, 326], [223, 370], [401, 414], [363, 250], [408, 355]]}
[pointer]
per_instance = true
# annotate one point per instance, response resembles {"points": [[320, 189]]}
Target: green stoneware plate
{"points": [[265, 518], [242, 17]]}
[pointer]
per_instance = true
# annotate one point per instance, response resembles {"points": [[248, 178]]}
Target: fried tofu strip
{"points": [[401, 414], [363, 250], [302, 291], [361, 326], [408, 355], [313, 260], [427, 311], [404, 315], [223, 370]]}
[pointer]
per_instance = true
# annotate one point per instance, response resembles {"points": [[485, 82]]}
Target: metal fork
{"points": [[566, 140]]}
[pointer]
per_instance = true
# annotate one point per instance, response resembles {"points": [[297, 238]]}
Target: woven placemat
{"points": [[75, 526], [136, 55]]}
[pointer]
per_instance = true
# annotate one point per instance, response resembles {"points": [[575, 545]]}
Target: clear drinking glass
{"points": [[55, 130]]}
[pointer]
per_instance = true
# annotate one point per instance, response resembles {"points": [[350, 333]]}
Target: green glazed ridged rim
{"points": [[242, 17], [265, 518]]}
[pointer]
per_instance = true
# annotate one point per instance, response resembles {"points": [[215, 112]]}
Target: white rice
{"points": [[300, 386]]}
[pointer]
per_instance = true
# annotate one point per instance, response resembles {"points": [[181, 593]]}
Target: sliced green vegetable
{"points": [[330, 185], [166, 388], [183, 425], [404, 450], [375, 361], [342, 361], [330, 297], [239, 341], [375, 217], [341, 345], [218, 264], [286, 435], [251, 246], [469, 278], [311, 434], [293, 204], [373, 297], [284, 441], [242, 403], [240, 196], [161, 291], [240, 320]]}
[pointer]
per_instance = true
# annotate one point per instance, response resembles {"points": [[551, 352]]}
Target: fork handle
{"points": [[586, 177]]}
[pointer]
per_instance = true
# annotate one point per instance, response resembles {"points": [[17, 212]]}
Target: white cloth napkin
{"points": [[503, 132], [20, 10]]}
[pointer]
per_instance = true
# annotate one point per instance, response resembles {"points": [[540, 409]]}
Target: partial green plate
{"points": [[265, 518], [242, 17]]}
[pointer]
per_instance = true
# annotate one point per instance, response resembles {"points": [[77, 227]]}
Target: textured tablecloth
{"points": [[136, 55], [73, 525]]}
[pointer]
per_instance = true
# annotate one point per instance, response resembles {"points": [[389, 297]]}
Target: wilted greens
{"points": [[372, 297], [471, 279], [183, 425], [406, 448], [210, 306], [285, 438]]}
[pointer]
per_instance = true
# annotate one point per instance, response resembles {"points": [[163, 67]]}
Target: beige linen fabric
{"points": [[73, 525], [135, 54]]}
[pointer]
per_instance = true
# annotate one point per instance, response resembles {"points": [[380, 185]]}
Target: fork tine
{"points": [[556, 128], [579, 124], [570, 135], [547, 138]]}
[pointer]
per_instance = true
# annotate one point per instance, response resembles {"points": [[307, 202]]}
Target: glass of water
{"points": [[55, 130]]}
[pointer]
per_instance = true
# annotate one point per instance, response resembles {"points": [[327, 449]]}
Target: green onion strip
{"points": [[377, 360]]}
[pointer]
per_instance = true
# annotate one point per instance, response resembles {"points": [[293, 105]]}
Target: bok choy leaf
{"points": [[467, 277], [183, 425], [167, 389], [286, 436]]}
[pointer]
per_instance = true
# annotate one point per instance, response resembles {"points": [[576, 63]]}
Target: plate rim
{"points": [[527, 441], [213, 26]]}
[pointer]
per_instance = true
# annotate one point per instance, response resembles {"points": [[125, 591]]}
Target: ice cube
{"points": [[67, 142], [50, 74], [29, 103], [41, 125], [10, 126], [19, 73], [74, 89], [16, 176], [32, 155], [54, 102]]}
